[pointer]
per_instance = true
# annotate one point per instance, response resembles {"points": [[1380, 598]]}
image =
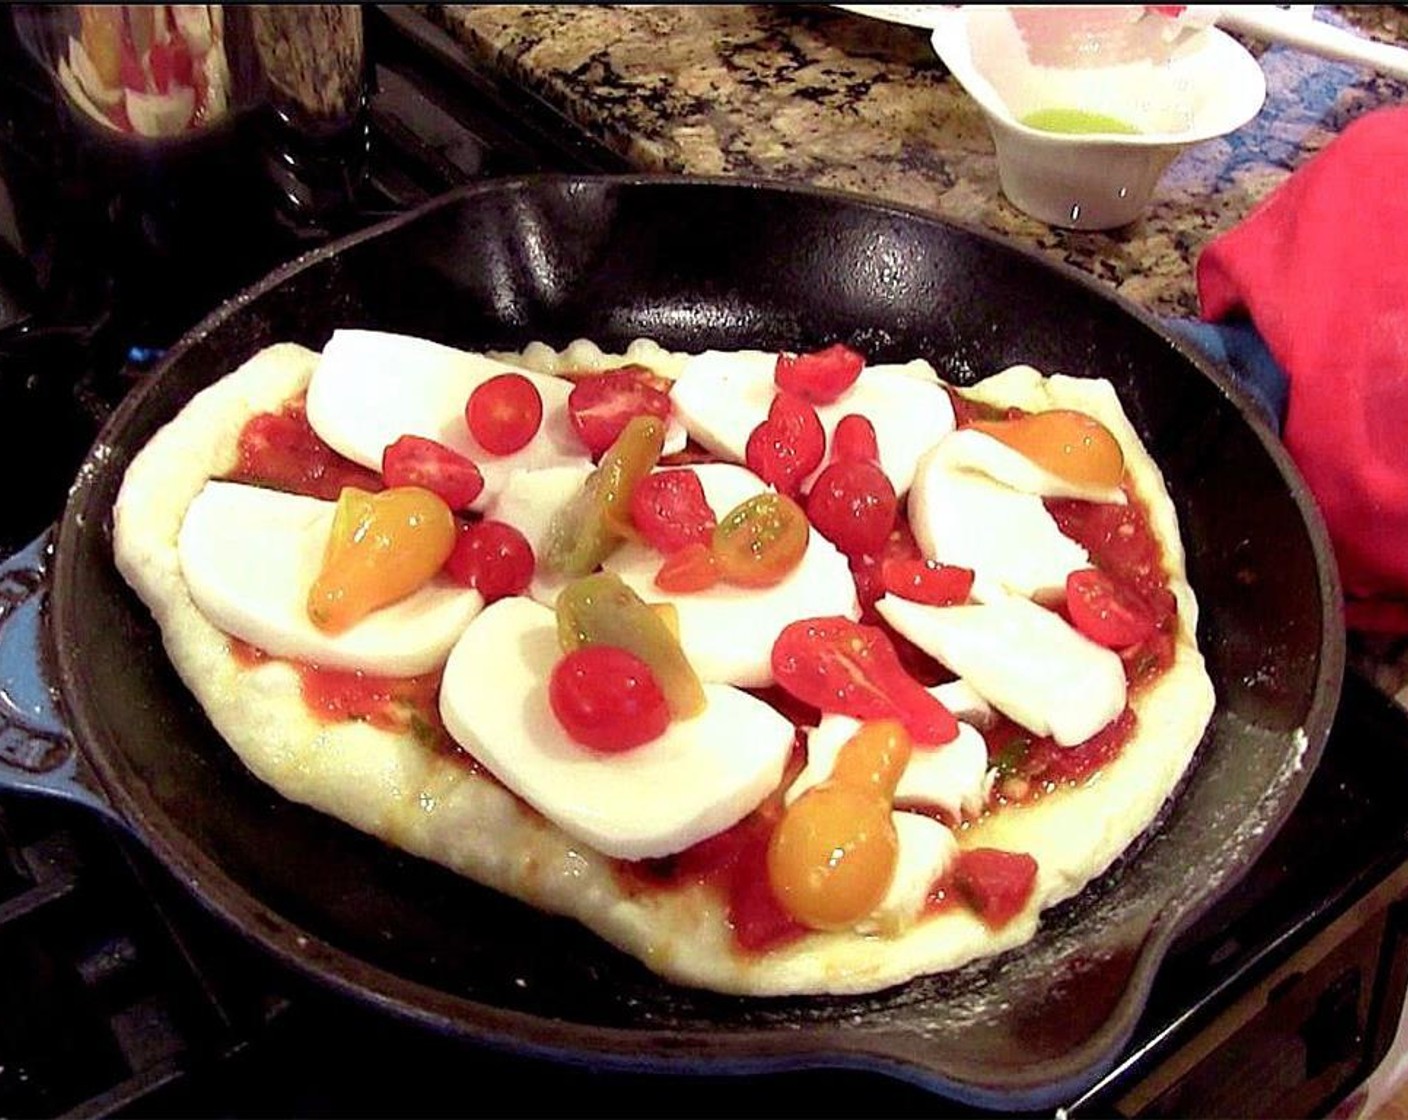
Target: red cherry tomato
{"points": [[492, 557], [868, 571], [171, 63], [607, 699], [925, 581], [819, 377], [853, 505], [787, 446], [600, 406], [669, 510], [840, 666], [504, 413], [416, 461], [692, 568], [132, 74], [854, 438], [1105, 612], [994, 883]]}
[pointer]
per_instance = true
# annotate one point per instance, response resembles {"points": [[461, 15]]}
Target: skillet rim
{"points": [[525, 1032]]}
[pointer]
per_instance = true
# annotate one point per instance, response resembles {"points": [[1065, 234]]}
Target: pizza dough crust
{"points": [[424, 802]]}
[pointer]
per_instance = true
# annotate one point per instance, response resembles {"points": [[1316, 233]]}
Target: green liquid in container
{"points": [[1075, 120]]}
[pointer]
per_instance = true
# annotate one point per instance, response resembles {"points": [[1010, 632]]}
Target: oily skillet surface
{"points": [[694, 264]]}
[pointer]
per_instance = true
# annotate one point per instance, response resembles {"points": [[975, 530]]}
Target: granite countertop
{"points": [[815, 94], [810, 93]]}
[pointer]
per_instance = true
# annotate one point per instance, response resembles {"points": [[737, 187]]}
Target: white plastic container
{"points": [[1168, 85]]}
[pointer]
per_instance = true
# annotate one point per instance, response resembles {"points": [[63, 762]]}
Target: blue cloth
{"points": [[1238, 349]]}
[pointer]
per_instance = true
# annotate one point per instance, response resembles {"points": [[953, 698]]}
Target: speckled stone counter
{"points": [[811, 93]]}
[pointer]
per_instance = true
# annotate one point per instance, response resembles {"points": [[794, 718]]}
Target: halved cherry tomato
{"points": [[841, 666], [760, 541], [607, 699], [926, 581], [133, 76], [492, 557], [854, 438], [868, 571], [996, 884], [599, 407], [669, 509], [417, 461], [786, 447], [692, 568], [853, 505], [504, 413], [171, 63], [1105, 612], [819, 377]]}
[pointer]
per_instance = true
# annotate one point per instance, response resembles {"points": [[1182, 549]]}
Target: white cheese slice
{"points": [[964, 701], [721, 396], [1025, 660], [249, 556], [974, 450], [160, 114], [1007, 537], [727, 632], [698, 778], [927, 849], [952, 777], [528, 501], [371, 387]]}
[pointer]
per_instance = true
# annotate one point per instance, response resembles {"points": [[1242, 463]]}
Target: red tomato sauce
{"points": [[733, 862], [281, 450]]}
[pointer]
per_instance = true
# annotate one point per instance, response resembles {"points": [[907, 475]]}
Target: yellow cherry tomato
{"points": [[382, 547], [833, 854]]}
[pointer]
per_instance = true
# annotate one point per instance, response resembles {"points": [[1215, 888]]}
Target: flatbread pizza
{"points": [[783, 673]]}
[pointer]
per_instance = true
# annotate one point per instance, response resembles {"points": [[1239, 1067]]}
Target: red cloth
{"points": [[1321, 269]]}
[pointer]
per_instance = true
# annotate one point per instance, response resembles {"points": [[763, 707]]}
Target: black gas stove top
{"points": [[119, 996]]}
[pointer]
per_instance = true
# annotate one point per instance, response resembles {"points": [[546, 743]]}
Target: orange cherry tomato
{"points": [[1069, 444], [382, 547], [761, 541]]}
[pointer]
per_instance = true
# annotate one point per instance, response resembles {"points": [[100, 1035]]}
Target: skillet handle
{"points": [[38, 754]]}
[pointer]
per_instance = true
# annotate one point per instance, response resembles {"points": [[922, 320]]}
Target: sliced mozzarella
{"points": [[160, 114], [927, 849], [528, 501], [370, 388], [698, 778], [974, 450], [249, 557], [727, 632], [1025, 660], [964, 701], [1005, 536], [722, 396], [952, 777]]}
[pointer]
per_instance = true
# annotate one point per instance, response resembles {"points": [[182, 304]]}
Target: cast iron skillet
{"points": [[697, 263]]}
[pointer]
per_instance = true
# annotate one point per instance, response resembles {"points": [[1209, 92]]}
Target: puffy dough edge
{"points": [[394, 788]]}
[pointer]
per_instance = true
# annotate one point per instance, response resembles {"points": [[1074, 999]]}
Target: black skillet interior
{"points": [[695, 264]]}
